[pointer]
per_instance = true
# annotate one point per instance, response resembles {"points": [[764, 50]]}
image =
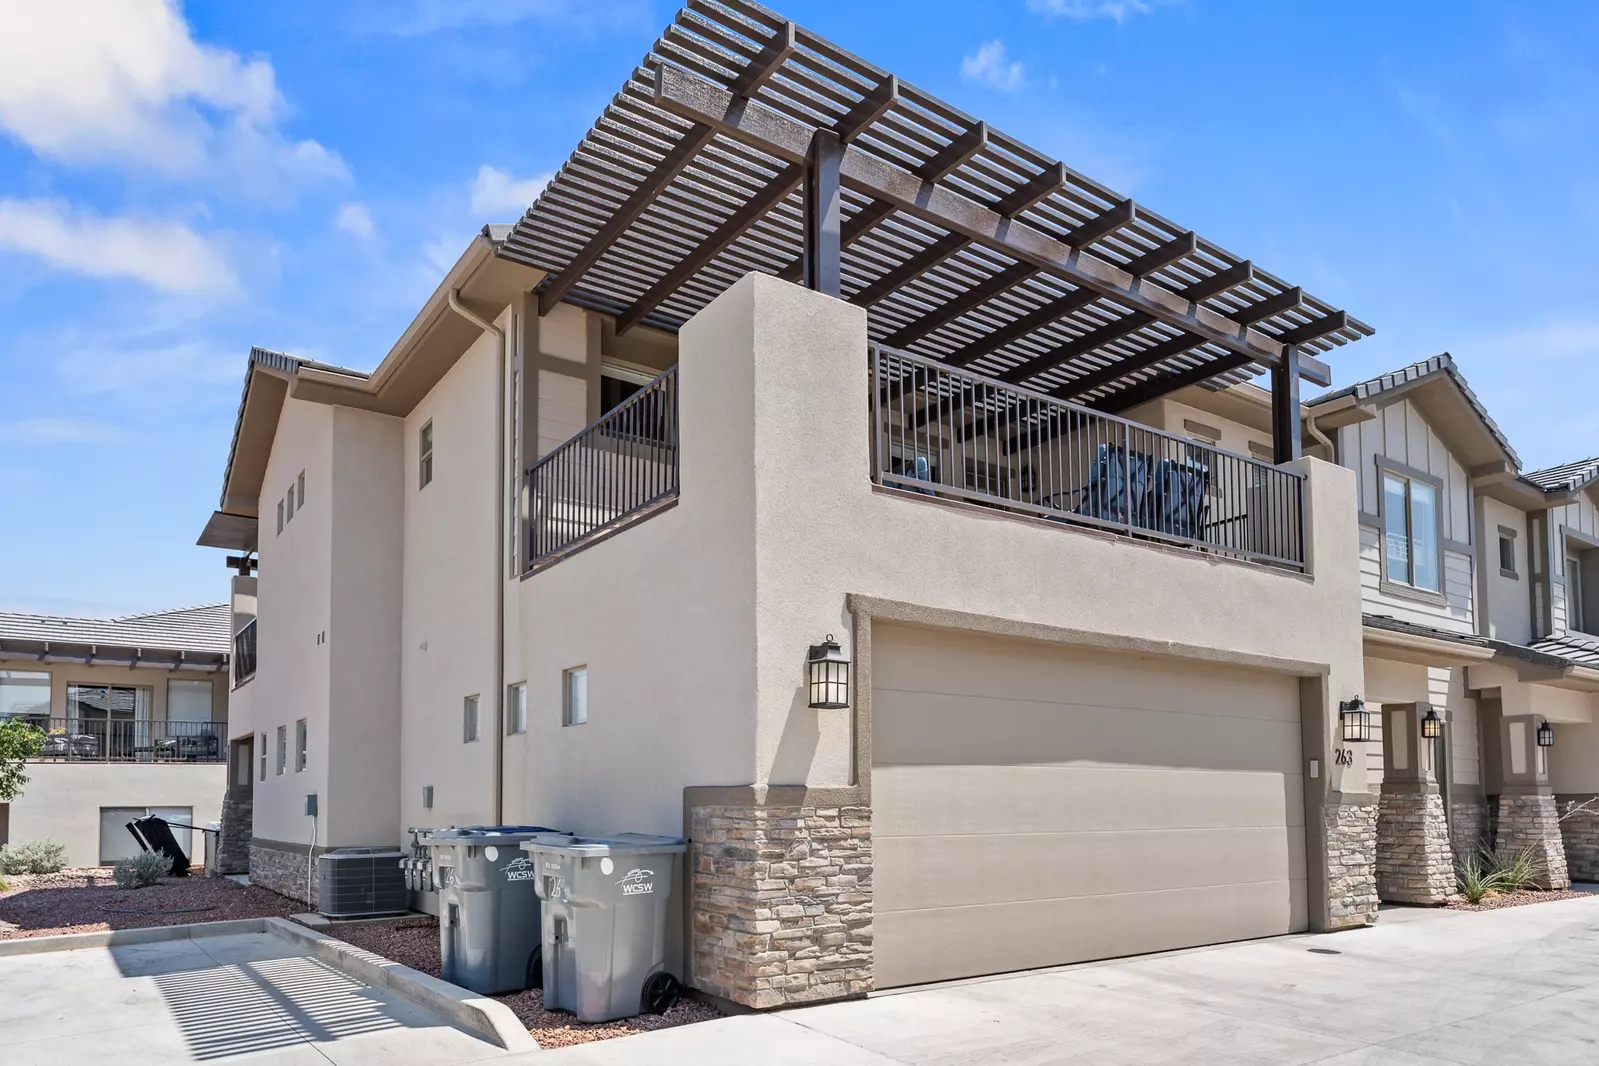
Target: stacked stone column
{"points": [[1351, 824], [1529, 819], [1579, 830], [1415, 857]]}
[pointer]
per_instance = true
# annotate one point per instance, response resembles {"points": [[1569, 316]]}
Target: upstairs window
{"points": [[469, 721], [1411, 545], [283, 749], [1507, 552], [301, 740], [575, 704], [289, 499], [299, 489], [424, 462], [516, 710], [1582, 587], [280, 516]]}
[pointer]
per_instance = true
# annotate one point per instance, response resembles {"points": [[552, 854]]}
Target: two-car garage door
{"points": [[1035, 804]]}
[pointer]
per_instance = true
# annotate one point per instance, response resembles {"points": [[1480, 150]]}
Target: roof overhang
{"points": [[436, 338], [963, 244], [1420, 649], [1541, 668], [112, 655]]}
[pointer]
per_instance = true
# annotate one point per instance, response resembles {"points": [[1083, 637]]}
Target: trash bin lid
{"points": [[619, 844], [488, 834]]}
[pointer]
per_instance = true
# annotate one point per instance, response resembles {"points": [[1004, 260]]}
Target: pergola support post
{"points": [[1285, 428], [824, 214]]}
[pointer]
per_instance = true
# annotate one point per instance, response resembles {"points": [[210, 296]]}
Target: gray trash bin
{"points": [[488, 906], [605, 905]]}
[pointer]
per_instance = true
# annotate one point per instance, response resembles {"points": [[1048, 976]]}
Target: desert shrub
{"points": [[1484, 873], [33, 857], [141, 871]]}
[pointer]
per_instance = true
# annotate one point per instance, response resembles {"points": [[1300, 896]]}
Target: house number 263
{"points": [[1344, 756]]}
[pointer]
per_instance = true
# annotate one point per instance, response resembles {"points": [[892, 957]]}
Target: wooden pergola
{"points": [[744, 142]]}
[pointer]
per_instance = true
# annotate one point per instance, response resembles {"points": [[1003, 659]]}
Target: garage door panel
{"points": [[952, 871], [937, 661], [911, 800], [938, 728], [947, 943]]}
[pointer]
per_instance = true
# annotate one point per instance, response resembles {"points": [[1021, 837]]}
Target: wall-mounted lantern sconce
{"points": [[1432, 727], [1546, 735], [828, 673], [1355, 719]]}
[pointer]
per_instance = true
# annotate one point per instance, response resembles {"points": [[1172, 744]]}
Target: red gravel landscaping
{"points": [[1499, 900], [414, 942], [88, 901]]}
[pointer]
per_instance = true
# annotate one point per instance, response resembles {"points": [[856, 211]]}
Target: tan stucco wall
{"points": [[294, 598], [1508, 610], [1574, 760], [447, 634], [62, 801], [695, 624]]}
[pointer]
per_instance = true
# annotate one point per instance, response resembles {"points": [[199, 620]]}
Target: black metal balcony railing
{"points": [[614, 472], [244, 653], [951, 433], [123, 740]]}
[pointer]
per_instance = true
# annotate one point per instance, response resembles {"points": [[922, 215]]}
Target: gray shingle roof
{"points": [[1564, 477], [1574, 647], [194, 629], [1444, 363]]}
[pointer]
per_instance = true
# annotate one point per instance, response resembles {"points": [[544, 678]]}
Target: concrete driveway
{"points": [[254, 997], [1514, 986]]}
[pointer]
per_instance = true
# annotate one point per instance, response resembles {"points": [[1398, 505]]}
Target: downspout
{"points": [[499, 553]]}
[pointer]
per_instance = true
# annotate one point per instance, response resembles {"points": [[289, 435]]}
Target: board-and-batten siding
{"points": [[1578, 516], [1455, 614]]}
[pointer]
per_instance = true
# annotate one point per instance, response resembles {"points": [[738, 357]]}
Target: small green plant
{"points": [[19, 742], [33, 857], [141, 871], [1486, 873]]}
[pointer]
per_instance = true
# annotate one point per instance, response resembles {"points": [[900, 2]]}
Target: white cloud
{"points": [[496, 192], [991, 66], [355, 219], [162, 254], [59, 431], [442, 254], [124, 81], [1083, 10]]}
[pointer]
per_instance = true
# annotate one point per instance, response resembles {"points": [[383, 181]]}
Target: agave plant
{"points": [[1484, 873]]}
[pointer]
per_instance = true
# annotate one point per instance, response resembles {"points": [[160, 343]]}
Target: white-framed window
{"points": [[280, 516], [469, 720], [1412, 545], [299, 489], [575, 696], [424, 462], [516, 709], [301, 740], [283, 749]]}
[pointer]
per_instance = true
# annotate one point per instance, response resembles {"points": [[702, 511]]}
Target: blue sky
{"points": [[178, 183]]}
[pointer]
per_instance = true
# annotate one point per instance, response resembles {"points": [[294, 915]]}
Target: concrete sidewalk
{"points": [[1519, 986], [254, 996]]}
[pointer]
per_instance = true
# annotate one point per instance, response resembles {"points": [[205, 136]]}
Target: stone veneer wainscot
{"points": [[1351, 825]]}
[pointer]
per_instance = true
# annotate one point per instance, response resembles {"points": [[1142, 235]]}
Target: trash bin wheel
{"points": [[661, 993], [535, 968]]}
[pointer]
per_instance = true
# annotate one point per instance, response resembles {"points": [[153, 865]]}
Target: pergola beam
{"points": [[1182, 245], [1286, 300], [783, 182], [1064, 353], [1105, 375], [1219, 282], [1031, 322], [760, 69], [1316, 329], [1156, 387], [695, 98]]}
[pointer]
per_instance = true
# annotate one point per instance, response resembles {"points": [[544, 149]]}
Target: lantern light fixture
{"points": [[1546, 735], [1432, 727], [827, 672], [1355, 719]]}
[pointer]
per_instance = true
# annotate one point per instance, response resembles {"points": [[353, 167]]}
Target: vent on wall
{"points": [[361, 882]]}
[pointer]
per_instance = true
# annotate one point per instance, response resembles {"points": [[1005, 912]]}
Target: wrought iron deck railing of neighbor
{"points": [[616, 471], [126, 740], [951, 433]]}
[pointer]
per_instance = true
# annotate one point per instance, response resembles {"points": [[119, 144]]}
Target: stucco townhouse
{"points": [[820, 474], [135, 715]]}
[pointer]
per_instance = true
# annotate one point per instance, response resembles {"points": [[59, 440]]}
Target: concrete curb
{"points": [[114, 938], [484, 1017]]}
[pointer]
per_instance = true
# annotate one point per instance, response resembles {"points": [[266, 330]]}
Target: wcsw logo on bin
{"points": [[521, 870], [637, 883]]}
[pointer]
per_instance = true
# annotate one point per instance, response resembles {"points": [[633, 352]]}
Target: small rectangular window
{"points": [[283, 749], [263, 756], [299, 745], [1576, 615], [516, 709], [299, 489], [280, 516], [289, 499], [576, 700], [424, 473], [469, 722], [1507, 554]]}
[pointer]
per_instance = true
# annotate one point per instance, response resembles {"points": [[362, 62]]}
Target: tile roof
{"points": [[1443, 363], [1567, 476], [1575, 647], [1395, 625], [196, 629]]}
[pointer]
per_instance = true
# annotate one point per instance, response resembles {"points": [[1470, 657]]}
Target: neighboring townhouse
{"points": [[135, 716], [846, 486], [1468, 571]]}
